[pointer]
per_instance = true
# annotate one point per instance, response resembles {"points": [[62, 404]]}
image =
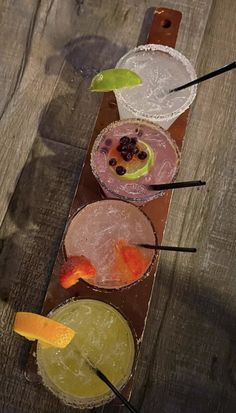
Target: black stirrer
{"points": [[115, 391], [205, 77], [108, 383], [167, 248], [175, 185]]}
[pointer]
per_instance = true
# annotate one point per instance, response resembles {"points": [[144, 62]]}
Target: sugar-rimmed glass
{"points": [[164, 169], [161, 68], [96, 229], [104, 337]]}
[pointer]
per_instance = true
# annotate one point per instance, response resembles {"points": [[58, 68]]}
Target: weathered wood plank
{"points": [[24, 49], [30, 238], [30, 33]]}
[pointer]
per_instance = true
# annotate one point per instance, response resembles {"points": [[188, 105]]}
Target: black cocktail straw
{"points": [[167, 248], [175, 185], [115, 391], [108, 383], [216, 72]]}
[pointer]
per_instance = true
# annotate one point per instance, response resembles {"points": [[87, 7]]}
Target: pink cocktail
{"points": [[107, 232], [129, 155]]}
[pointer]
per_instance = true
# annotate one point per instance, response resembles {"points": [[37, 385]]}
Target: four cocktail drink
{"points": [[129, 155], [104, 338], [161, 68], [106, 233]]}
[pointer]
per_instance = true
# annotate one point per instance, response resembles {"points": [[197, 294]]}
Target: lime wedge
{"points": [[112, 79]]}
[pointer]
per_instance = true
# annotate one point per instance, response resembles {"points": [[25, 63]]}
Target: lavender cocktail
{"points": [[129, 155]]}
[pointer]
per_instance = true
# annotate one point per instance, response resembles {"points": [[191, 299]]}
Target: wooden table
{"points": [[49, 51]]}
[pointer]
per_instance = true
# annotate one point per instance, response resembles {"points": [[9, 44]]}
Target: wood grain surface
{"points": [[49, 52]]}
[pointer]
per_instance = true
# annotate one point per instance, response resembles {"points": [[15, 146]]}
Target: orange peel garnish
{"points": [[37, 327]]}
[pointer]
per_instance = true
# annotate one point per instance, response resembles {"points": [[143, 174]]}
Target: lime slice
{"points": [[112, 79]]}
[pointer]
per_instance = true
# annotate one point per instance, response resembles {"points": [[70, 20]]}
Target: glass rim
{"points": [[151, 196], [89, 402], [180, 57], [126, 286]]}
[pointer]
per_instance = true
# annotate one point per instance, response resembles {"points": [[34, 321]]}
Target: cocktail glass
{"points": [[104, 337], [160, 166], [161, 68], [105, 232]]}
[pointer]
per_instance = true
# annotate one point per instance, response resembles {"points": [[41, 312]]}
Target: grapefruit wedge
{"points": [[37, 327], [133, 259], [74, 269]]}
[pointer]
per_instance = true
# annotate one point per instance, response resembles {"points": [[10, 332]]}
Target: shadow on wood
{"points": [[86, 55]]}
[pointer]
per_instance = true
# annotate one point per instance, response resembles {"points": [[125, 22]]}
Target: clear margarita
{"points": [[125, 170], [103, 337], [106, 233], [161, 68]]}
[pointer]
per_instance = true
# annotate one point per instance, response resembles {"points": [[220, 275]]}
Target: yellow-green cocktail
{"points": [[103, 337]]}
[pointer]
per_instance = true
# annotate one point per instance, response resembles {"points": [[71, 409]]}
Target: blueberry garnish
{"points": [[127, 156], [131, 148], [119, 148], [104, 150], [125, 140], [133, 141], [142, 155], [139, 131], [136, 151], [112, 162], [124, 149], [120, 170], [108, 142]]}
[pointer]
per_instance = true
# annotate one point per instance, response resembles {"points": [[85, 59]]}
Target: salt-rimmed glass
{"points": [[104, 337], [94, 232], [161, 68], [164, 169]]}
